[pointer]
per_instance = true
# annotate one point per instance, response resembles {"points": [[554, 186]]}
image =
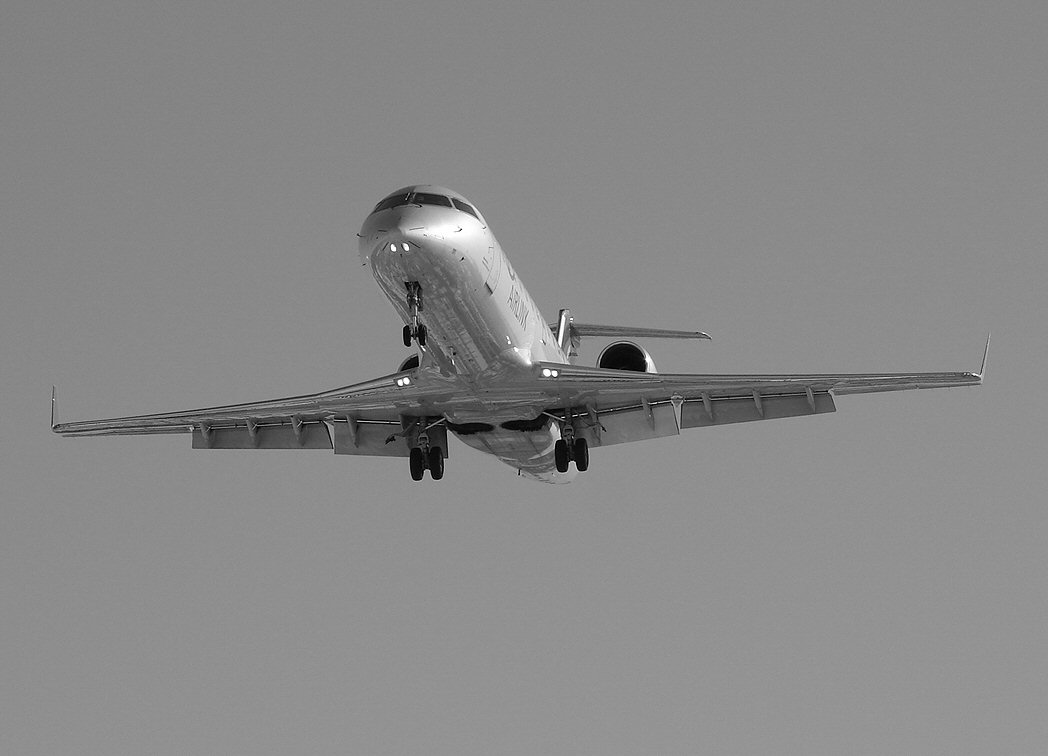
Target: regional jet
{"points": [[489, 369]]}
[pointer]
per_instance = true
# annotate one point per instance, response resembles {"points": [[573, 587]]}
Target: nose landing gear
{"points": [[415, 330]]}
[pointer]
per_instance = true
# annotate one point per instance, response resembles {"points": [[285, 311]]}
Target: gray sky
{"points": [[822, 186]]}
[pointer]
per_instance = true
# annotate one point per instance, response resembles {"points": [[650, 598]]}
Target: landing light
{"points": [[549, 373], [402, 382], [392, 247], [405, 247]]}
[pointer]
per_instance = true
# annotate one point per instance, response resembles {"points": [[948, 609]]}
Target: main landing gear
{"points": [[415, 330], [425, 457], [569, 449], [421, 460]]}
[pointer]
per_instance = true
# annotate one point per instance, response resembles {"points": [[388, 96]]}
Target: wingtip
{"points": [[986, 351], [53, 423]]}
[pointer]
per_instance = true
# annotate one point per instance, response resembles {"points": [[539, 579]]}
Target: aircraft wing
{"points": [[357, 419], [609, 407], [617, 406]]}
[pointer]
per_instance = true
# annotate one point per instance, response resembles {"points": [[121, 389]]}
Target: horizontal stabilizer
{"points": [[628, 332]]}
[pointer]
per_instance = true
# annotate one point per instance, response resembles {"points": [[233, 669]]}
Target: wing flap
{"points": [[342, 434], [637, 423], [373, 439], [749, 409], [617, 425], [269, 435]]}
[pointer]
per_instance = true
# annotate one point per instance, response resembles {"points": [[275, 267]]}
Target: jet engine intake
{"points": [[625, 355]]}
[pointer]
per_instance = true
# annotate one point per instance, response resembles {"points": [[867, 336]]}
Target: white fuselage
{"points": [[483, 326]]}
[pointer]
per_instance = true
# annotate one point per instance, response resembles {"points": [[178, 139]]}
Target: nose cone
{"points": [[406, 230]]}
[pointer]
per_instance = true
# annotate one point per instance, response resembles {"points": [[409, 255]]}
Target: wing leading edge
{"points": [[356, 419]]}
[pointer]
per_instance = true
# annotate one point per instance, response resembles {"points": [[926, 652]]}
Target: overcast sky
{"points": [[824, 187]]}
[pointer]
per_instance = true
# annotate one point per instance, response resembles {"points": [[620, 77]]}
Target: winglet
{"points": [[982, 370], [52, 408]]}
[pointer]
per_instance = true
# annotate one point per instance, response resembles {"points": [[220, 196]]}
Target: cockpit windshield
{"points": [[392, 201], [423, 198], [464, 207]]}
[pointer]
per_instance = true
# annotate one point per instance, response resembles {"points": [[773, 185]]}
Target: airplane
{"points": [[489, 369]]}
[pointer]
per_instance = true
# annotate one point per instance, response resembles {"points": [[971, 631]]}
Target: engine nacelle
{"points": [[625, 355]]}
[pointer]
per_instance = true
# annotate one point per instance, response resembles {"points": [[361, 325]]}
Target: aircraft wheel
{"points": [[436, 463], [421, 334], [581, 454], [417, 462], [407, 335], [560, 455]]}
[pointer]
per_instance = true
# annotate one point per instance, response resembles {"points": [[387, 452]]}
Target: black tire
{"points": [[407, 335], [421, 334], [436, 463], [560, 455], [581, 454], [417, 461]]}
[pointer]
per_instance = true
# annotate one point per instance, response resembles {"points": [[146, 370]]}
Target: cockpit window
{"points": [[460, 205], [394, 201], [424, 198]]}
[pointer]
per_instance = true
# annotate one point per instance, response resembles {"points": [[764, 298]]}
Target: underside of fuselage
{"points": [[530, 452], [470, 319]]}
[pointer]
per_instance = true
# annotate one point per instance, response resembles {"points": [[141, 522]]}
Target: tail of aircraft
{"points": [[569, 333]]}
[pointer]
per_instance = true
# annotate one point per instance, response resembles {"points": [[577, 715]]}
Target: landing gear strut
{"points": [[570, 449], [415, 329]]}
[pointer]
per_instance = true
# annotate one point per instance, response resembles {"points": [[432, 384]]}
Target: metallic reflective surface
{"points": [[492, 370]]}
